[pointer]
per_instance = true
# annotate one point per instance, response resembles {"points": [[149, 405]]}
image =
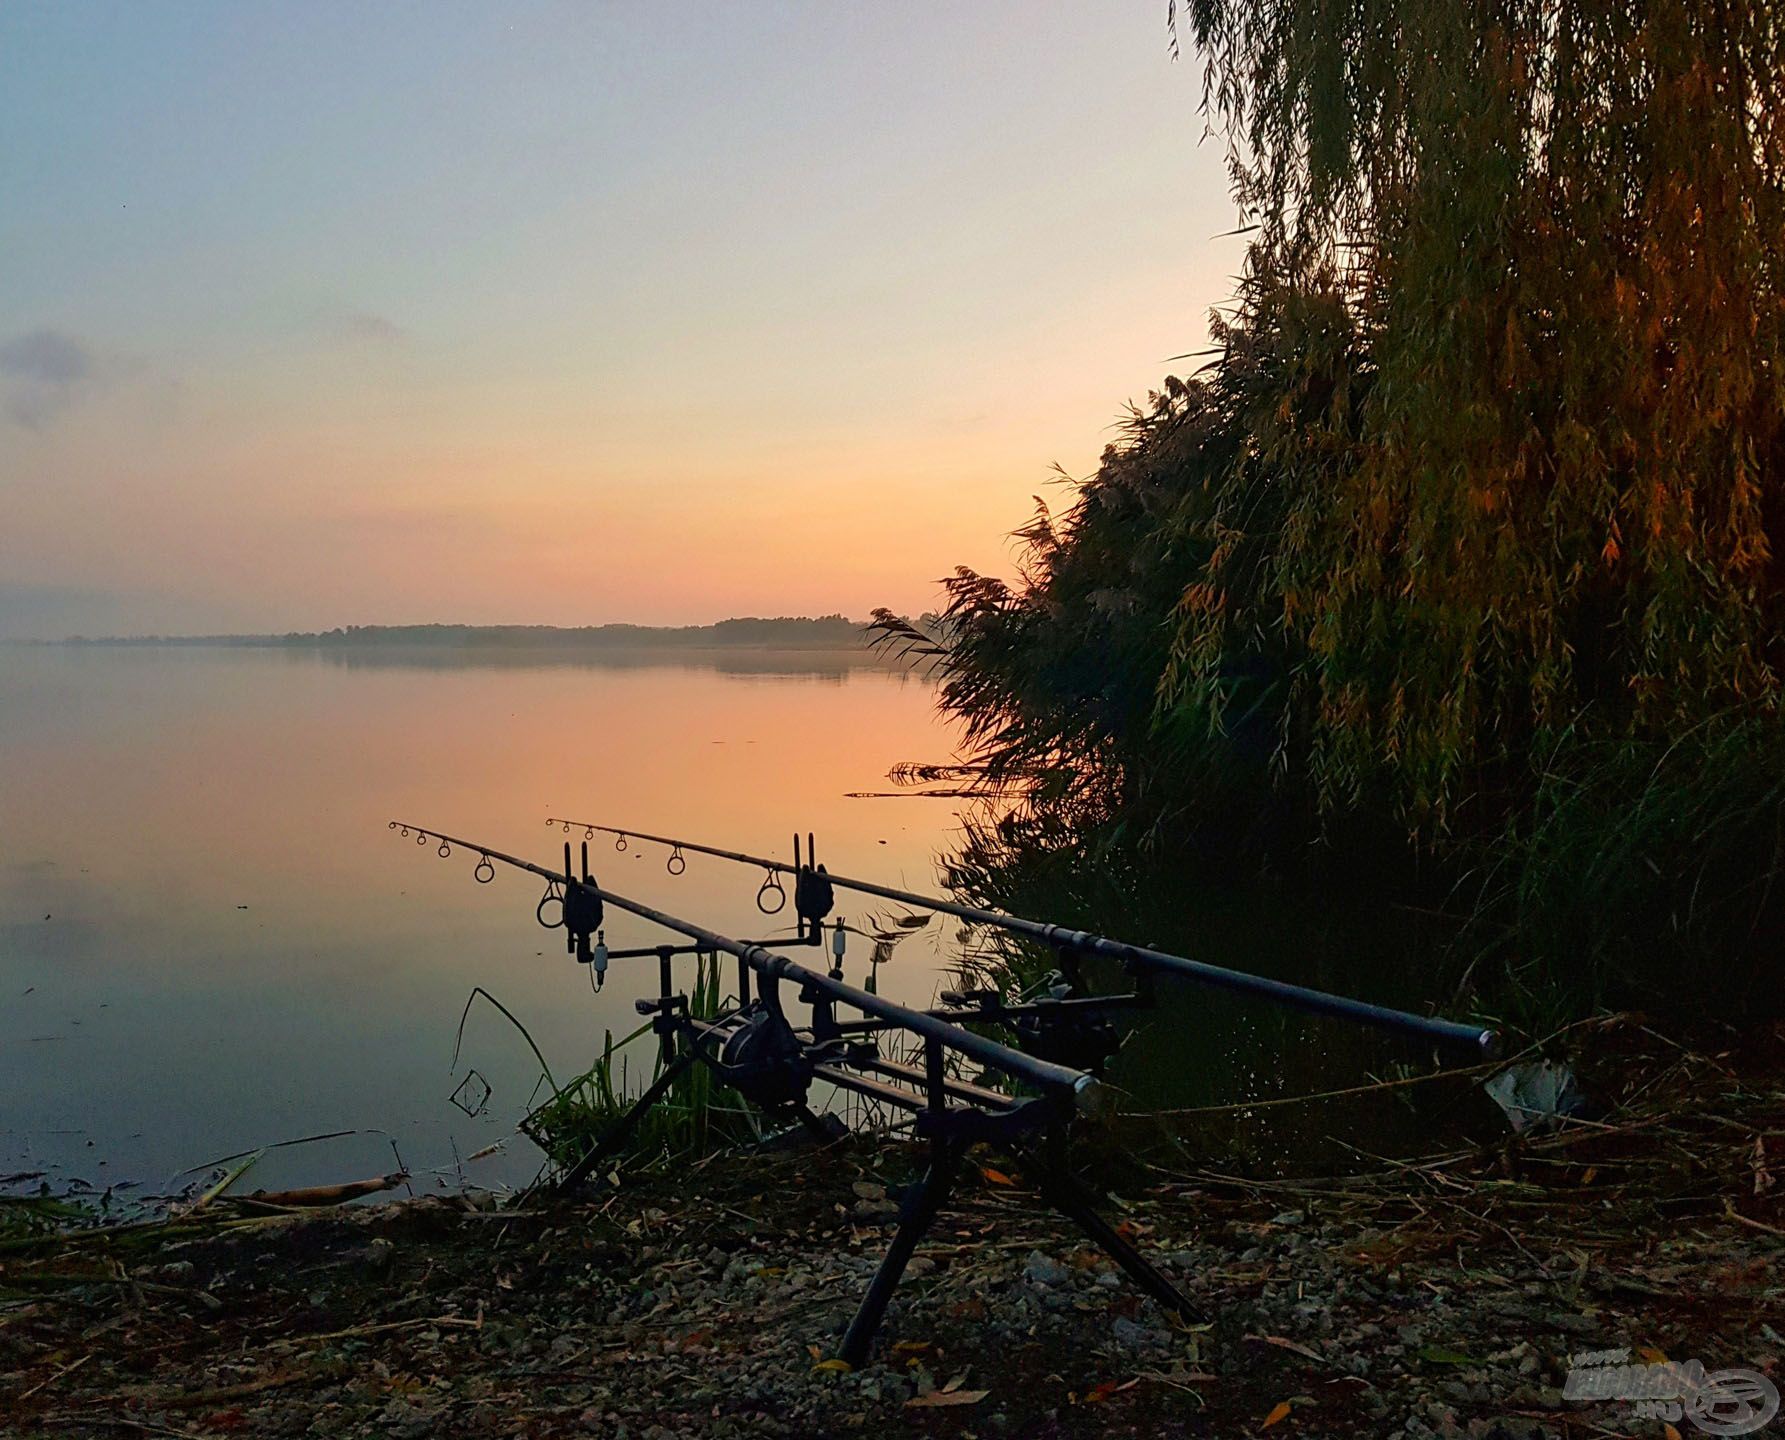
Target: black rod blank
{"points": [[1060, 1081], [1474, 1039]]}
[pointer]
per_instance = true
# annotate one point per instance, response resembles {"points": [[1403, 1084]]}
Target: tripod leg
{"points": [[817, 1127], [616, 1133], [918, 1213], [1071, 1199]]}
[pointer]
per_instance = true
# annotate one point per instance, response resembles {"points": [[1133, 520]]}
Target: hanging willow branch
{"points": [[1535, 467]]}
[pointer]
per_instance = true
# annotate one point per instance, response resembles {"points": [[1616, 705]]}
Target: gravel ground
{"points": [[1439, 1299]]}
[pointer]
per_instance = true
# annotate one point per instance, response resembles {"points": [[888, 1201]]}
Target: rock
{"points": [[404, 1421], [714, 1328], [1136, 1337]]}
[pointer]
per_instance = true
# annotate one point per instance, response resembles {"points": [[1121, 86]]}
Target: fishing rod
{"points": [[1471, 1039], [583, 899], [758, 1052]]}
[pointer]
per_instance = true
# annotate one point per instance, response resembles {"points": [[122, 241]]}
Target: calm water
{"points": [[210, 941]]}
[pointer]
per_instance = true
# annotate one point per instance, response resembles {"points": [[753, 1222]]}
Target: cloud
{"points": [[47, 356], [45, 370], [368, 325]]}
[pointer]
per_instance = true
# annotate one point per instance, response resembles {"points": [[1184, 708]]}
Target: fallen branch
{"points": [[328, 1194], [1760, 1225], [51, 1380]]}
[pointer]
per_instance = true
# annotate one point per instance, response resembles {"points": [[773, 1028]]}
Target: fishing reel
{"points": [[763, 1060], [1080, 1040], [1060, 1028]]}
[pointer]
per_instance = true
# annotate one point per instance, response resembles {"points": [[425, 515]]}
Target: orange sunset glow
{"points": [[571, 315]]}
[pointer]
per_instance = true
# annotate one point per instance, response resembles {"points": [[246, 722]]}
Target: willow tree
{"points": [[1560, 230]]}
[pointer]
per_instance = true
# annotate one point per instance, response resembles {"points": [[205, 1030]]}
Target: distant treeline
{"points": [[826, 632]]}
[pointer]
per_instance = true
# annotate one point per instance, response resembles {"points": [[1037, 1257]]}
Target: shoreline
{"points": [[1441, 1297]]}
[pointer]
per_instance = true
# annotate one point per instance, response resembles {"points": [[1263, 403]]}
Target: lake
{"points": [[210, 941]]}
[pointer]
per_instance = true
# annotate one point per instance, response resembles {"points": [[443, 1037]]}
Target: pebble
{"points": [[1136, 1337], [713, 1334]]}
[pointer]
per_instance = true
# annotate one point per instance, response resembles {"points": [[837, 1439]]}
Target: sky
{"points": [[316, 314]]}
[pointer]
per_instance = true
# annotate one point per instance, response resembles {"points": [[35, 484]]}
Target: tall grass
{"points": [[1641, 873], [697, 1116]]}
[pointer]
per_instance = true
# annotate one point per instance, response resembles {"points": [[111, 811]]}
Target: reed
{"points": [[1642, 872], [698, 1116]]}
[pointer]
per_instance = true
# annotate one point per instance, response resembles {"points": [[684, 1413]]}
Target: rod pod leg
{"points": [[1072, 1200], [916, 1216], [816, 1126]]}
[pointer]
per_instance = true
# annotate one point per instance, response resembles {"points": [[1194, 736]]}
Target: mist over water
{"points": [[210, 940]]}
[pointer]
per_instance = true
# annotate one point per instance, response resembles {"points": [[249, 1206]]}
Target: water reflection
{"points": [[210, 941], [727, 660], [1195, 1050]]}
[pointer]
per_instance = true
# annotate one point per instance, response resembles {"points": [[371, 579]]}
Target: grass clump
{"points": [[698, 1115], [26, 1217], [1641, 871]]}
